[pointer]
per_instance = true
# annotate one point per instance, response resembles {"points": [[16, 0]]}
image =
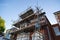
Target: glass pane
{"points": [[23, 36], [37, 36], [56, 30]]}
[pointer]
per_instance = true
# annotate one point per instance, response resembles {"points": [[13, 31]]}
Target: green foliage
{"points": [[2, 25]]}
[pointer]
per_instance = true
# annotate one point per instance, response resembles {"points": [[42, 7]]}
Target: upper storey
{"points": [[30, 18], [57, 16], [27, 13]]}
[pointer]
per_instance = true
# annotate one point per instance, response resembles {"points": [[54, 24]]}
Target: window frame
{"points": [[56, 31]]}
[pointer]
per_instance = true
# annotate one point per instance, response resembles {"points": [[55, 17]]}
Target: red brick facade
{"points": [[46, 29]]}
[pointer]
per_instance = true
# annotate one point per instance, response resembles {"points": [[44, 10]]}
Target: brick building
{"points": [[57, 16], [34, 26]]}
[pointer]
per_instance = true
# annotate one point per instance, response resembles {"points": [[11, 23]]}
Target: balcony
{"points": [[32, 24], [27, 26]]}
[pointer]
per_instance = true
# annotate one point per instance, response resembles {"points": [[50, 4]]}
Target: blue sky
{"points": [[10, 9]]}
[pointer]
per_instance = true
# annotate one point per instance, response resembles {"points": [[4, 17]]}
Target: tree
{"points": [[2, 25]]}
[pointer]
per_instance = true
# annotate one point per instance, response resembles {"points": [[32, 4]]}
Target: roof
{"points": [[58, 12], [54, 25], [27, 13]]}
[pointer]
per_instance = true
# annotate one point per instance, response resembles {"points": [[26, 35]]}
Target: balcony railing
{"points": [[32, 24], [29, 25], [41, 22]]}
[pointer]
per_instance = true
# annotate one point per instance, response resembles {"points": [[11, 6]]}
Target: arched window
{"points": [[37, 36]]}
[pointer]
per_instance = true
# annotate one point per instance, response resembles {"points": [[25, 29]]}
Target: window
{"points": [[56, 30], [37, 36], [23, 36]]}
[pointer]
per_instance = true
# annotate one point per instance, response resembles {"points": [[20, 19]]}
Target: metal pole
{"points": [[38, 20], [49, 33]]}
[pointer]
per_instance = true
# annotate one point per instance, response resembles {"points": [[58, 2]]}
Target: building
{"points": [[8, 35], [56, 27], [57, 16], [35, 26], [56, 31]]}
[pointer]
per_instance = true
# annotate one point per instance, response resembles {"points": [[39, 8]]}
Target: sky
{"points": [[11, 9]]}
